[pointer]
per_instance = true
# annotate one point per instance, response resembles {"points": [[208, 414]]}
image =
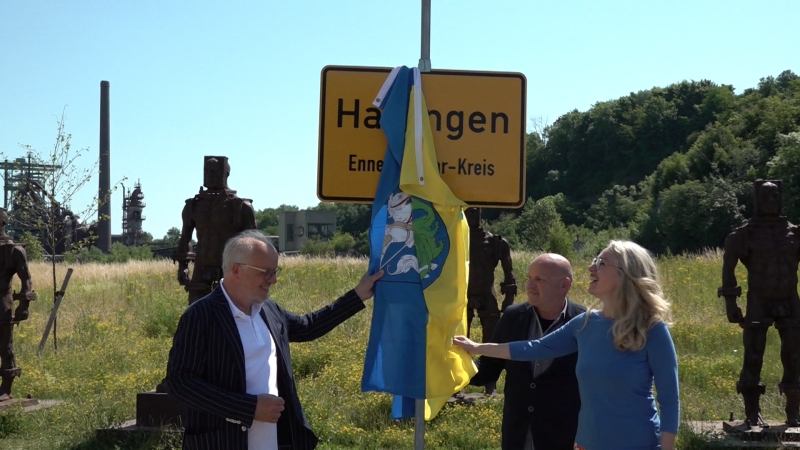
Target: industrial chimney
{"points": [[104, 191]]}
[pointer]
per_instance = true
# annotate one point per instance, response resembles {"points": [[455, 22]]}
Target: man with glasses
{"points": [[541, 397], [229, 364]]}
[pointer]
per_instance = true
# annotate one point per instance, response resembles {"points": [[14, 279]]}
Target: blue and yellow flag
{"points": [[420, 238]]}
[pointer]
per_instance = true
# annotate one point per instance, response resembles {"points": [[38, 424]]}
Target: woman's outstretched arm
{"points": [[494, 350]]}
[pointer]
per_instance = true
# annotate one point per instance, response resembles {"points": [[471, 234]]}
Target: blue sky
{"points": [[241, 78]]}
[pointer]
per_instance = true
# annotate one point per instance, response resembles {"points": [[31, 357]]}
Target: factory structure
{"points": [[34, 209], [132, 217]]}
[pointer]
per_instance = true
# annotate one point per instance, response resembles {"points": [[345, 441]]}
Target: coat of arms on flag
{"points": [[415, 225]]}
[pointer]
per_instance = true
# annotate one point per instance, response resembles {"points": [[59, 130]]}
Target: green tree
{"points": [[536, 219], [589, 162], [560, 240], [324, 206], [147, 238], [267, 221], [698, 214], [353, 218], [784, 166], [267, 218], [350, 217], [673, 169], [505, 226], [618, 207], [172, 237], [44, 209], [361, 243]]}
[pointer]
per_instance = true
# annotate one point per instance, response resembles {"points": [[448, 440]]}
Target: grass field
{"points": [[116, 322]]}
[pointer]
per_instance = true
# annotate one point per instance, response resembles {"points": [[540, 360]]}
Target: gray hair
{"points": [[240, 246]]}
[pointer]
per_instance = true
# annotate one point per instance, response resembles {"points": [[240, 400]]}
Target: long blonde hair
{"points": [[640, 302]]}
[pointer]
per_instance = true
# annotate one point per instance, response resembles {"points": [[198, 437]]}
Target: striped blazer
{"points": [[206, 371]]}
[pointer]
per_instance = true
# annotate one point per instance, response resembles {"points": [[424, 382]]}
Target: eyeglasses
{"points": [[264, 272], [597, 263]]}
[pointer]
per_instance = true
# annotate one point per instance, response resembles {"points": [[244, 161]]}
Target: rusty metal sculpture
{"points": [[769, 247], [486, 250], [13, 260], [216, 214]]}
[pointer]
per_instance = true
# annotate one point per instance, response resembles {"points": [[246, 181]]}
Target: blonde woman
{"points": [[623, 348]]}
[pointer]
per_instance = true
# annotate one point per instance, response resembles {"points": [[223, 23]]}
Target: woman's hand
{"points": [[470, 346], [473, 348], [667, 440]]}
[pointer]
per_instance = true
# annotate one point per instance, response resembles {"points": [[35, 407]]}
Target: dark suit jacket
{"points": [[550, 403], [206, 371]]}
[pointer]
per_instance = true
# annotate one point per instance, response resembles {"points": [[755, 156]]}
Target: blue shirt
{"points": [[618, 409]]}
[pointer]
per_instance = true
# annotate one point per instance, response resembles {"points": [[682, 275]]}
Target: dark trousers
{"points": [[7, 347], [488, 314]]}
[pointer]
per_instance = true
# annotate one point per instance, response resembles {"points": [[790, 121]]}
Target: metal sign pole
{"points": [[425, 51], [424, 66], [419, 424]]}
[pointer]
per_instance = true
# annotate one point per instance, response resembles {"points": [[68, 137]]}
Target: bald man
{"points": [[541, 397]]}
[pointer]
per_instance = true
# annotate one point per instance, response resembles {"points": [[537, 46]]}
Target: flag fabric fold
{"points": [[420, 238]]}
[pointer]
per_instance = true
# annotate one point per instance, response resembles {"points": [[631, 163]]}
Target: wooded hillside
{"points": [[671, 168]]}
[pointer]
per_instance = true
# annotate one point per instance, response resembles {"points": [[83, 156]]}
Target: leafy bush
{"points": [[85, 255], [536, 219], [317, 247], [588, 243], [362, 243], [118, 253], [342, 242], [33, 247], [559, 240]]}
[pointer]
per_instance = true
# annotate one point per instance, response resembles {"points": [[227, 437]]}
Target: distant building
{"points": [[275, 240], [296, 227]]}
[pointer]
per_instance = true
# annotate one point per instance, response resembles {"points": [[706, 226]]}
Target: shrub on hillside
{"points": [[536, 219], [559, 240]]}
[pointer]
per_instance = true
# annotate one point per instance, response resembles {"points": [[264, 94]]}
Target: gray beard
{"points": [[259, 302]]}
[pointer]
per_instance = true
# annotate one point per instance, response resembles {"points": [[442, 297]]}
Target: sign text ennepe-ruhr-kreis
{"points": [[476, 122]]}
